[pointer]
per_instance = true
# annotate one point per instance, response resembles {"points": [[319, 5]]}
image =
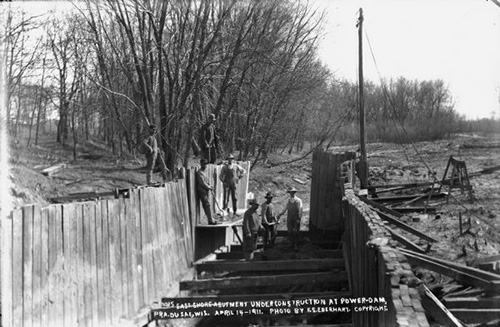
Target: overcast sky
{"points": [[457, 41]]}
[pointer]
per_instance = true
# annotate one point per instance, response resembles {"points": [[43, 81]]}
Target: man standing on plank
{"points": [[203, 186], [229, 176]]}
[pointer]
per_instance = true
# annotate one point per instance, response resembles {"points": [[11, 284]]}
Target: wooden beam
{"points": [[255, 297], [273, 265], [453, 273], [381, 207], [256, 281], [229, 255], [472, 303], [400, 238], [466, 293], [332, 254], [407, 197], [414, 209], [239, 247], [468, 270], [53, 169], [404, 185], [476, 315], [488, 259], [436, 309], [393, 220]]}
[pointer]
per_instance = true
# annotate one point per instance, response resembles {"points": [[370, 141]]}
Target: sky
{"points": [[457, 41]]}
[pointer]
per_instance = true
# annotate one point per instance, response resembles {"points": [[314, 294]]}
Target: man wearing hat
{"points": [[294, 208], [229, 176], [208, 140], [203, 186], [251, 227], [149, 147], [269, 221]]}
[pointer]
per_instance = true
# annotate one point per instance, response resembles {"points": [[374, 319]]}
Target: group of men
{"points": [[230, 174], [267, 222], [253, 222], [208, 140]]}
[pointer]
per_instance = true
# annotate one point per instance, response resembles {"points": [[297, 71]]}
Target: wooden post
{"points": [[363, 166], [460, 222]]}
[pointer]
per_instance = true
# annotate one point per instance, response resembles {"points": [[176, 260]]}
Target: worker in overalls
{"points": [[229, 176], [294, 209]]}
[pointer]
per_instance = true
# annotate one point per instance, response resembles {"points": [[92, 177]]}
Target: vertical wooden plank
{"points": [[85, 268], [146, 253], [242, 188], [7, 265], [17, 267], [169, 232], [57, 271], [154, 241], [106, 264], [133, 213], [44, 269], [101, 304], [37, 266], [186, 225], [125, 212], [93, 262], [179, 232], [162, 232], [69, 283], [183, 216], [149, 246], [81, 269], [28, 266], [138, 248], [114, 212], [313, 199]]}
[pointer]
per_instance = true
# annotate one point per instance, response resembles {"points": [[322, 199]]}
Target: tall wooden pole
{"points": [[363, 166]]}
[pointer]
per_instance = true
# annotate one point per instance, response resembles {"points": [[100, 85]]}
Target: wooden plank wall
{"points": [[326, 192], [91, 263]]}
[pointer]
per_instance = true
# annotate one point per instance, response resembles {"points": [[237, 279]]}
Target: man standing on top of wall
{"points": [[229, 176], [203, 186], [149, 147], [294, 208], [209, 140]]}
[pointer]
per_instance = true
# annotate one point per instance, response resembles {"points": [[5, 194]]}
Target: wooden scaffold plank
{"points": [[256, 281]]}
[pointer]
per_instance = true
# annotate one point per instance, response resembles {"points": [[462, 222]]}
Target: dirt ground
{"points": [[97, 170]]}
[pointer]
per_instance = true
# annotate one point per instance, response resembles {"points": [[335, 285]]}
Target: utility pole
{"points": [[363, 165]]}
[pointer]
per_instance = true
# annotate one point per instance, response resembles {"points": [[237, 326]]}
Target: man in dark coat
{"points": [[230, 174], [251, 227], [269, 221], [150, 149], [203, 186], [209, 140]]}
